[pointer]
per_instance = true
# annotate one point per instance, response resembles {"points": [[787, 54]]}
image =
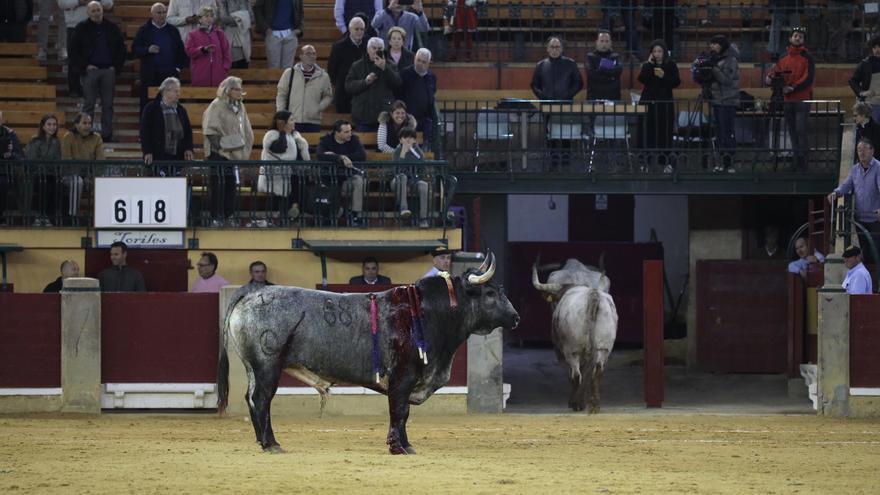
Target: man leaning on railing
{"points": [[864, 182]]}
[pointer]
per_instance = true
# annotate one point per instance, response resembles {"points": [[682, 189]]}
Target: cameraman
{"points": [[865, 81], [724, 88], [797, 68]]}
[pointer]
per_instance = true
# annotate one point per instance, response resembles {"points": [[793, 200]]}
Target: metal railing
{"points": [[244, 194]]}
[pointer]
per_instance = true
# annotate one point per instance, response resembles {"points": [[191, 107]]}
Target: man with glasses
{"points": [[208, 280], [343, 55], [160, 49], [305, 91], [556, 77]]}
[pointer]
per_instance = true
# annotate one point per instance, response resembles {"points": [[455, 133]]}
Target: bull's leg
{"points": [[575, 380], [398, 411], [595, 381], [266, 377], [249, 400]]}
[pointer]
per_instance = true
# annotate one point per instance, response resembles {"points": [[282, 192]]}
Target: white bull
{"points": [[584, 327]]}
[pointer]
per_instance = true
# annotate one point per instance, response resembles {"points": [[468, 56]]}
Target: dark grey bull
{"points": [[324, 338]]}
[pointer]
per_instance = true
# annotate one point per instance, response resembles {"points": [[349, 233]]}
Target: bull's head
{"points": [[492, 308], [551, 292]]}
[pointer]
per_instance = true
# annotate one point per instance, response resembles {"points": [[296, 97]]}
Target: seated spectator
{"points": [[159, 47], [69, 268], [208, 51], [208, 280], [165, 133], [441, 259], [857, 280], [343, 148], [371, 81], [259, 272], [345, 10], [15, 15], [305, 91], [394, 15], [228, 137], [344, 53], [120, 277], [408, 150], [398, 53], [10, 149], [866, 126], [800, 265], [184, 15], [282, 143], [370, 275], [80, 144], [45, 147], [865, 81], [390, 124], [236, 18], [417, 89]]}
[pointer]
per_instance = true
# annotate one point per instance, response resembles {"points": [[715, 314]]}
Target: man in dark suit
{"points": [[370, 268]]}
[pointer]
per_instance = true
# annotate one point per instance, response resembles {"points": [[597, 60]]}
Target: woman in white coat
{"points": [[282, 143]]}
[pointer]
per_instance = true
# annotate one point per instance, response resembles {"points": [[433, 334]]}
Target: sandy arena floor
{"points": [[547, 454]]}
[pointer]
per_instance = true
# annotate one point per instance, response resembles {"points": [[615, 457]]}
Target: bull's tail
{"points": [[592, 306], [223, 361]]}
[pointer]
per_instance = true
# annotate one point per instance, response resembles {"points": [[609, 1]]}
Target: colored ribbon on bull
{"points": [[374, 323], [453, 300], [415, 313]]}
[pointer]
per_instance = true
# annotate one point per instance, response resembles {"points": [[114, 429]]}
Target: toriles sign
{"points": [[172, 239]]}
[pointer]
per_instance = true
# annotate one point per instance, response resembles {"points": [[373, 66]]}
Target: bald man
{"points": [[69, 268], [159, 47]]}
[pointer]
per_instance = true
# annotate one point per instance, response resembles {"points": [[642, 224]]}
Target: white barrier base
{"points": [[810, 374], [30, 391], [159, 396]]}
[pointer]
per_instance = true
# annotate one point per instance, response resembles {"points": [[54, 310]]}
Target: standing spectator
{"points": [[408, 150], [865, 81], [838, 20], [15, 15], [866, 126], [184, 15], [418, 87], [120, 277], [50, 10], [344, 53], [784, 12], [69, 268], [399, 54], [228, 137], [236, 17], [165, 131], [208, 279], [612, 9], [282, 143], [603, 70], [805, 257], [390, 124], [75, 11], [45, 147], [281, 22], [305, 91], [208, 50], [863, 182], [259, 273], [345, 10], [98, 52], [659, 75], [341, 147], [463, 25], [556, 77], [797, 68], [370, 274], [80, 144], [371, 81], [857, 280], [10, 149], [394, 15], [725, 98], [160, 49], [664, 22]]}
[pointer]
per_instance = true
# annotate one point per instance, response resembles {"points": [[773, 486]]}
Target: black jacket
{"points": [[659, 88], [359, 280], [10, 146], [141, 45], [55, 286], [342, 56], [871, 132], [152, 131], [353, 149], [603, 84], [861, 78], [557, 79], [82, 45]]}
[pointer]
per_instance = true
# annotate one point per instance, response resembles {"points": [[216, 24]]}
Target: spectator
{"points": [[418, 86], [208, 51], [281, 22], [784, 11], [659, 75], [399, 54], [184, 15], [75, 11], [805, 258], [50, 10], [165, 131], [371, 81], [10, 149], [345, 10], [461, 19], [282, 143], [69, 268], [441, 259], [866, 126], [98, 52], [556, 77], [769, 249], [725, 98], [160, 49], [603, 70], [80, 144], [837, 19], [408, 150], [305, 91], [45, 147], [390, 125], [370, 274], [259, 272], [236, 18], [664, 21], [120, 277], [344, 53], [626, 9], [864, 182], [15, 15], [208, 279], [394, 15], [228, 137], [797, 69], [341, 147], [865, 81], [857, 280]]}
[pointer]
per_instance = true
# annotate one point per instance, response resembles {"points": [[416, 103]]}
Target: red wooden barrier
{"points": [[30, 340], [864, 341], [652, 290]]}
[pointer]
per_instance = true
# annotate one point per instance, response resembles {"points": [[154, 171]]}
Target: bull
{"points": [[399, 342], [583, 329]]}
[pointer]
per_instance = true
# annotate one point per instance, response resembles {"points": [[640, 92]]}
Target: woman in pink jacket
{"points": [[208, 50]]}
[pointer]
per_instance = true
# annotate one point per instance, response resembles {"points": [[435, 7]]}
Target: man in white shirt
{"points": [[801, 264], [858, 280]]}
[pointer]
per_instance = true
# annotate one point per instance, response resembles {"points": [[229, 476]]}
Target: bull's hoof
{"points": [[397, 449], [594, 408], [410, 450], [273, 449]]}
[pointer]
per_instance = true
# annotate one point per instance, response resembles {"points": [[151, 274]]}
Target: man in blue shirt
{"points": [[281, 22], [805, 257], [858, 280], [160, 49], [863, 182]]}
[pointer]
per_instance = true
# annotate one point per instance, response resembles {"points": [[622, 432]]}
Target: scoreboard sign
{"points": [[140, 202]]}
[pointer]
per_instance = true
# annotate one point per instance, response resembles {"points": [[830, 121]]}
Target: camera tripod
{"points": [[695, 119]]}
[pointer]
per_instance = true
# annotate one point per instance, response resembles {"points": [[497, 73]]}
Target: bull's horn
{"points": [[482, 268], [474, 279], [543, 287]]}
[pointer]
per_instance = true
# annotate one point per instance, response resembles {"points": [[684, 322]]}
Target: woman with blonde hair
{"points": [[401, 57], [208, 51]]}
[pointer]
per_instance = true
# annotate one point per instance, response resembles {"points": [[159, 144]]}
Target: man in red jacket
{"points": [[797, 68]]}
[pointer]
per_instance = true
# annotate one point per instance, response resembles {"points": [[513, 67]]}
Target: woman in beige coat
{"points": [[228, 137]]}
